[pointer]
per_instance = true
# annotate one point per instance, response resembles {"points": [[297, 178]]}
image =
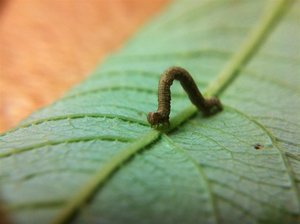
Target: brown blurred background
{"points": [[46, 46]]}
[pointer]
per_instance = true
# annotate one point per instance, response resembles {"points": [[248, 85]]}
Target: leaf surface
{"points": [[91, 157]]}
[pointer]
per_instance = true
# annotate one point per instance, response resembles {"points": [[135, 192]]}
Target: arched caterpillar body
{"points": [[161, 116]]}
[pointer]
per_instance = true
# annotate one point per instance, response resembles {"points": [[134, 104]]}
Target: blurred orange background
{"points": [[46, 46]]}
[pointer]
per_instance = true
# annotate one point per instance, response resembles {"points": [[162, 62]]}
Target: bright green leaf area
{"points": [[91, 157]]}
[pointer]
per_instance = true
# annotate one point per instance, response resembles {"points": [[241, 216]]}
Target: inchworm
{"points": [[161, 116]]}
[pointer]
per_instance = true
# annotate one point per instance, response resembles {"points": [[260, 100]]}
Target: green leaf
{"points": [[91, 157]]}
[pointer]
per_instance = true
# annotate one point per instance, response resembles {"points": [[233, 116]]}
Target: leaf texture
{"points": [[91, 157]]}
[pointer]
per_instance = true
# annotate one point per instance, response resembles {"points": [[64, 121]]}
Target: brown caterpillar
{"points": [[161, 116]]}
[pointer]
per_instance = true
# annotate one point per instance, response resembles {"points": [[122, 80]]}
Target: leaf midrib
{"points": [[225, 77]]}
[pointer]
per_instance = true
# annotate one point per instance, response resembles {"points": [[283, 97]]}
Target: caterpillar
{"points": [[208, 106]]}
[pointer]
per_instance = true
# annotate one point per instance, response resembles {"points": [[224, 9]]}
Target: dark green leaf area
{"points": [[200, 172]]}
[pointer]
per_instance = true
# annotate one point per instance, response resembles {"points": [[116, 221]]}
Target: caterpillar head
{"points": [[156, 118]]}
